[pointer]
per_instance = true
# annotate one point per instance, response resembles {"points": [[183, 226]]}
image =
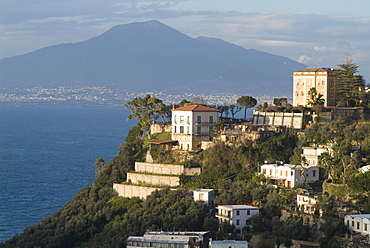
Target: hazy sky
{"points": [[314, 32]]}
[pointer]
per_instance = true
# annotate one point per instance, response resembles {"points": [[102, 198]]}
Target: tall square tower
{"points": [[322, 79], [193, 124]]}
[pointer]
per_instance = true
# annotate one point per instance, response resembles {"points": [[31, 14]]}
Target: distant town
{"points": [[104, 96]]}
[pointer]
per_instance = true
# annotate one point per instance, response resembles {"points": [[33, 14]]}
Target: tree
{"points": [[134, 133], [280, 101], [315, 98], [349, 87], [224, 109], [262, 107], [146, 110], [246, 102], [234, 109]]}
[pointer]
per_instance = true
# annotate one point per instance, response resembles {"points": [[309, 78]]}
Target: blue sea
{"points": [[47, 154]]}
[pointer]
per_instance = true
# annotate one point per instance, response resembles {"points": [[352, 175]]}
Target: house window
{"points": [[237, 212], [358, 225], [291, 173], [201, 197], [181, 119], [270, 171], [188, 130], [286, 174], [302, 94], [210, 129], [353, 223], [199, 119], [281, 173], [175, 119], [264, 171], [187, 119], [237, 222], [211, 120], [181, 129], [248, 212], [365, 227], [175, 130], [198, 130], [314, 173], [347, 222], [188, 146]]}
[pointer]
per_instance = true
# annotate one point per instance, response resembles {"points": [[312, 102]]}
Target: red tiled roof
{"points": [[196, 108]]}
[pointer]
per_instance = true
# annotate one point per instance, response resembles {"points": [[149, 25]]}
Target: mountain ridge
{"points": [[149, 56]]}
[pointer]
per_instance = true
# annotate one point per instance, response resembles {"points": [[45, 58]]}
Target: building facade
{"points": [[278, 119], [308, 204], [169, 240], [289, 175], [313, 154], [192, 125], [322, 79], [359, 223], [205, 195], [238, 215], [228, 244]]}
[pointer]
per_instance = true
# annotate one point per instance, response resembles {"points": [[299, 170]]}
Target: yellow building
{"points": [[322, 79]]}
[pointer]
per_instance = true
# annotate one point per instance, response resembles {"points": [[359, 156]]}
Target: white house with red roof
{"points": [[192, 125], [289, 175]]}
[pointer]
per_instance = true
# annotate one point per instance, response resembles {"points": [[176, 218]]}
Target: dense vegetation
{"points": [[96, 219]]}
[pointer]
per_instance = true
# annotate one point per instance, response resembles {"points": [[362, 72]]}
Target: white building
{"points": [[169, 240], [238, 215], [228, 244], [192, 125], [359, 223], [205, 195], [290, 175], [364, 169], [312, 154], [308, 204]]}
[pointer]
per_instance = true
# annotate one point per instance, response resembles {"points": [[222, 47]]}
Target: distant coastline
{"points": [[104, 96]]}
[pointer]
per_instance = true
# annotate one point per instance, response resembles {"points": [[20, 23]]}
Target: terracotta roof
{"points": [[196, 108], [317, 69]]}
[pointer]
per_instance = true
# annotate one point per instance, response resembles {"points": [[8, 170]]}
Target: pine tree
{"points": [[350, 87]]}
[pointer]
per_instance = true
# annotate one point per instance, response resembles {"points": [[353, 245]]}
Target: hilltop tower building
{"points": [[322, 79], [192, 125]]}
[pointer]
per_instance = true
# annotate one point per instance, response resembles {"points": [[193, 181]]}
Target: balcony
{"points": [[205, 123], [201, 133], [224, 216]]}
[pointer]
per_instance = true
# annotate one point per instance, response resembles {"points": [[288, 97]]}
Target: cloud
{"points": [[324, 49], [304, 59]]}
